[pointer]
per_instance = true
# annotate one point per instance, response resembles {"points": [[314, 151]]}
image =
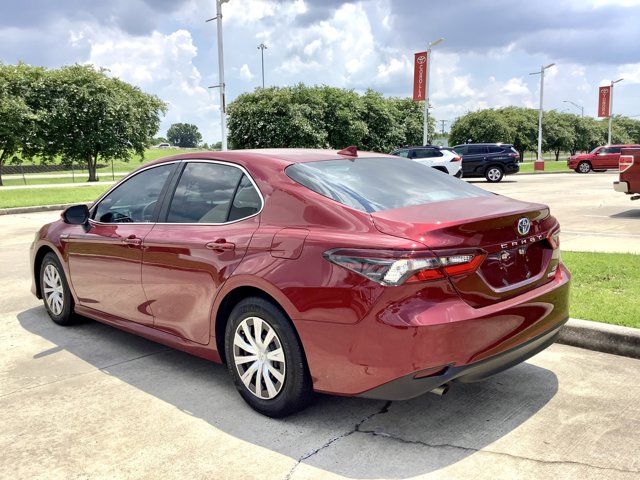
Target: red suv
{"points": [[347, 273], [629, 182], [598, 160]]}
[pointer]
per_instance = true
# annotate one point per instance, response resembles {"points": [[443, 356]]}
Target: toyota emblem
{"points": [[524, 224]]}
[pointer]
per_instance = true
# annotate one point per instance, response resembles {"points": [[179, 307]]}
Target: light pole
{"points": [[425, 132], [538, 165], [221, 85], [577, 106], [262, 47], [611, 108]]}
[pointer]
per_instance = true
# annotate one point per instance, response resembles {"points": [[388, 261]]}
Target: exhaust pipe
{"points": [[441, 390]]}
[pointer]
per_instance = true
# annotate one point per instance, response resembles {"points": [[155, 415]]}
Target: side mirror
{"points": [[76, 215]]}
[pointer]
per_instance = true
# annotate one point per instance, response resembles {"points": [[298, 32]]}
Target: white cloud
{"points": [[245, 73], [158, 63]]}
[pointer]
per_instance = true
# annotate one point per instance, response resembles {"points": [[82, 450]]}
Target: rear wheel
{"points": [[493, 174], [55, 290], [583, 167], [265, 359]]}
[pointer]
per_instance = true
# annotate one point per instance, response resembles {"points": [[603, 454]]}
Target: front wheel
{"points": [[493, 174], [55, 291], [583, 167], [266, 360]]}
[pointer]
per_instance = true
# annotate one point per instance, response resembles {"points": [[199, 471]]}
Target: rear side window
{"points": [[426, 153], [204, 193], [246, 201], [496, 149], [374, 184], [460, 150]]}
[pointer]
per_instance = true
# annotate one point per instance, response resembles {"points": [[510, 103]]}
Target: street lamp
{"points": [[577, 106], [262, 47], [538, 165], [611, 108], [425, 131], [221, 85]]}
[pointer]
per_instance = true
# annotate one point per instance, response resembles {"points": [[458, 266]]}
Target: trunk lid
{"points": [[516, 261]]}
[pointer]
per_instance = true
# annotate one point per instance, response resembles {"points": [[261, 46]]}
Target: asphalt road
{"points": [[93, 402], [592, 215]]}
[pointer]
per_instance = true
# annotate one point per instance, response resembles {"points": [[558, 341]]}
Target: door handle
{"points": [[221, 245], [132, 240]]}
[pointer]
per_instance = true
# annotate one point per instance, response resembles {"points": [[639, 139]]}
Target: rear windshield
{"points": [[374, 184]]}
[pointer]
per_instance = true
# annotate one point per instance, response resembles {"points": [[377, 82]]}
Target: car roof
{"points": [[486, 144], [277, 158]]}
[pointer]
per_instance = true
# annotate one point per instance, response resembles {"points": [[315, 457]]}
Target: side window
{"points": [[495, 149], [425, 153], [402, 153], [615, 149], [246, 202], [136, 199], [476, 150], [204, 193]]}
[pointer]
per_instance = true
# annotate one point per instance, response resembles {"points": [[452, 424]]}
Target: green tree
{"points": [[20, 105], [409, 115], [185, 135], [558, 132], [482, 126], [91, 116]]}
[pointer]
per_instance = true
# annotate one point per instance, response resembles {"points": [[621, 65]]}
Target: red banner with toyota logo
{"points": [[420, 76], [604, 100]]}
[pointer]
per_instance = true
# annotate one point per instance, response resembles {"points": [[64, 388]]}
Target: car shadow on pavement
{"points": [[634, 213], [353, 437]]}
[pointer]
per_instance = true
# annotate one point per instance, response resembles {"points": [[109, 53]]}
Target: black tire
{"points": [[493, 174], [296, 389], [65, 314], [583, 167]]}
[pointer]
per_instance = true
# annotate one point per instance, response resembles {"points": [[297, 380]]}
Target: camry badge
{"points": [[523, 226]]}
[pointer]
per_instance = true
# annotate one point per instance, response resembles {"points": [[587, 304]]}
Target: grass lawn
{"points": [[50, 196], [605, 287], [549, 166], [79, 179]]}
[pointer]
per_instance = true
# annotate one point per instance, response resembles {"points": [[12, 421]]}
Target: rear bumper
{"points": [[621, 187], [408, 386], [510, 168], [398, 339]]}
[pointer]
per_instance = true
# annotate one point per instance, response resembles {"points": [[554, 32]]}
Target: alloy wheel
{"points": [[584, 167], [259, 358], [53, 289], [494, 174]]}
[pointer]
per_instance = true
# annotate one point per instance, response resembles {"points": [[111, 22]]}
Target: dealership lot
{"points": [[91, 401], [593, 216]]}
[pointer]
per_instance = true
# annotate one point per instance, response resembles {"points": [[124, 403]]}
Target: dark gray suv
{"points": [[489, 160]]}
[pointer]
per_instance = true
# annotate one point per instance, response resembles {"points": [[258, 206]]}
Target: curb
{"points": [[601, 337], [34, 209]]}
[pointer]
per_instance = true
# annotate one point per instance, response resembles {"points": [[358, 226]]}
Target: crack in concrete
{"points": [[476, 450], [356, 428]]}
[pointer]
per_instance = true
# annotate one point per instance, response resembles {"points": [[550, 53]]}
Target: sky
{"points": [[166, 48]]}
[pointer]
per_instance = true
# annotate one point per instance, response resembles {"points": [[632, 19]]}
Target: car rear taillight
{"points": [[393, 267], [625, 162], [554, 240], [457, 158], [514, 154]]}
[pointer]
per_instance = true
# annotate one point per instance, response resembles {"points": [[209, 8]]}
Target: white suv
{"points": [[440, 158]]}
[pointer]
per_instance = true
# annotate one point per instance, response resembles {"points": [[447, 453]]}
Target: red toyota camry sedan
{"points": [[348, 273]]}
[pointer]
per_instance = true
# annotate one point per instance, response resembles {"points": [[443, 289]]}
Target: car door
{"points": [[473, 161], [105, 257], [605, 158], [206, 227]]}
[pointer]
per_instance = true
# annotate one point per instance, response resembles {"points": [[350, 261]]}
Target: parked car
{"points": [[599, 159], [304, 270], [489, 160], [163, 145], [629, 181], [439, 158]]}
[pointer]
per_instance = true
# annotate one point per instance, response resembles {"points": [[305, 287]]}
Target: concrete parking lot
{"points": [[593, 216], [93, 402]]}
